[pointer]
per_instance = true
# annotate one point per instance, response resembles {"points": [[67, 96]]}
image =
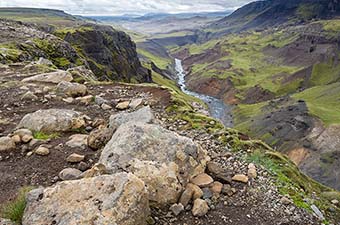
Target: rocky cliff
{"points": [[109, 53]]}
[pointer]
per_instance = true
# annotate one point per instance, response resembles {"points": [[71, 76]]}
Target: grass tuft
{"points": [[43, 136], [14, 210]]}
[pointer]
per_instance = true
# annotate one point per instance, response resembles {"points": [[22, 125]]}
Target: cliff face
{"points": [[111, 54]]}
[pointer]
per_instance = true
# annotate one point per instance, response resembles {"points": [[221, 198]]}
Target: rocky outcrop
{"points": [[143, 115], [110, 53], [164, 160], [109, 199], [52, 120], [53, 77]]}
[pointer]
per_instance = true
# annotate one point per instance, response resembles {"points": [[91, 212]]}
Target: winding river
{"points": [[217, 108]]}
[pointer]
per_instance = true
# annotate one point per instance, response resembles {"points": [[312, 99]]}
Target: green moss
{"points": [[62, 62], [44, 136], [10, 52], [14, 210], [62, 32]]}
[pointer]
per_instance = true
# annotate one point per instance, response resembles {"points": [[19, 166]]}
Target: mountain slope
{"points": [[263, 14]]}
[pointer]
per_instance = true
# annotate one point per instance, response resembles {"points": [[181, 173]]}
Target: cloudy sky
{"points": [[117, 7]]}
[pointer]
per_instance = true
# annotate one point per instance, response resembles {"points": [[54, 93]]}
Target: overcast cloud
{"points": [[116, 7]]}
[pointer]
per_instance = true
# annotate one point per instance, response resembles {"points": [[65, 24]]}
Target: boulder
{"points": [[143, 115], [163, 159], [77, 141], [72, 89], [99, 138], [52, 120], [6, 144], [53, 77], [109, 199]]}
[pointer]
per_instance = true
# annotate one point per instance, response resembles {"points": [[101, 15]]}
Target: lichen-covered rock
{"points": [[53, 77], [52, 120], [143, 115], [163, 159], [72, 89], [109, 199]]}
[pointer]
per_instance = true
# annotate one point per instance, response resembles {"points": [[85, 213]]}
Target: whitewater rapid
{"points": [[217, 108]]}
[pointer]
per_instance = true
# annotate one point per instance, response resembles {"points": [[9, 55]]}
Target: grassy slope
{"points": [[246, 54], [323, 102], [251, 67]]}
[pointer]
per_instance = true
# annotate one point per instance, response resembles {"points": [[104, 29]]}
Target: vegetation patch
{"points": [[43, 136], [14, 210], [323, 102]]}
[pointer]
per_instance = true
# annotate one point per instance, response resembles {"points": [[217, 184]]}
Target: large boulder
{"points": [[109, 199], [72, 89], [164, 160], [52, 120], [53, 77], [143, 115]]}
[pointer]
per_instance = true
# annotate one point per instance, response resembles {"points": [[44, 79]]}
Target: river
{"points": [[217, 108]]}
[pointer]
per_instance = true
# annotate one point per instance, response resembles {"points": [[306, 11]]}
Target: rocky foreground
{"points": [[103, 153]]}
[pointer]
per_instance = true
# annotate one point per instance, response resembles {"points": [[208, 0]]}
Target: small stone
{"points": [[252, 171], [286, 201], [207, 194], [200, 208], [216, 188], [135, 103], [70, 174], [75, 158], [6, 143], [106, 107], [197, 191], [83, 166], [217, 172], [29, 154], [317, 212], [16, 138], [77, 141], [42, 151], [99, 138], [68, 100], [26, 138], [29, 96], [240, 178], [202, 180], [177, 209], [186, 196], [86, 99], [335, 202], [99, 100], [212, 122], [123, 105]]}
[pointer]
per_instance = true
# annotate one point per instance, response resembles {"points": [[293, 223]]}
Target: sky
{"points": [[119, 7]]}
